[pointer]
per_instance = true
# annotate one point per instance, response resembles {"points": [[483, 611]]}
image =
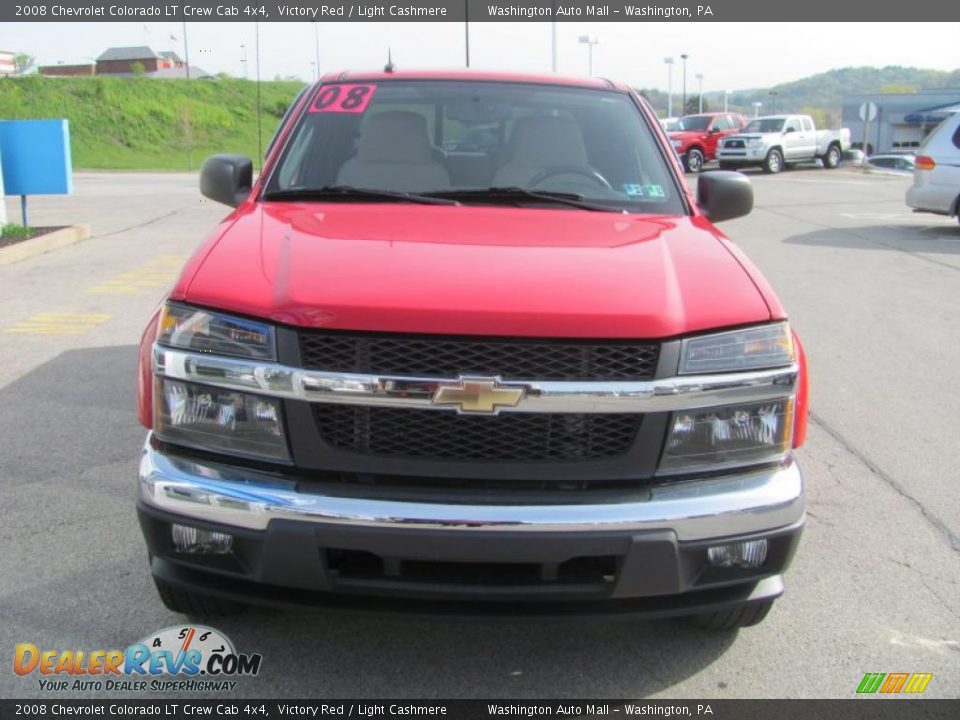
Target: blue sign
{"points": [[36, 157]]}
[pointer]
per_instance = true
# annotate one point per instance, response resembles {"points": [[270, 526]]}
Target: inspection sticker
{"points": [[343, 98], [633, 189]]}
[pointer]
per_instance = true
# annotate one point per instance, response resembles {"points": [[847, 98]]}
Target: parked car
{"points": [[381, 383], [696, 136], [936, 179], [774, 142], [890, 163]]}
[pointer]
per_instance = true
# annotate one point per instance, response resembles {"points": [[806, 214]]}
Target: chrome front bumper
{"points": [[748, 502]]}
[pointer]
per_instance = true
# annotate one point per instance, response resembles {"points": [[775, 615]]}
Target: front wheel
{"points": [[738, 617], [773, 162], [693, 161], [832, 158]]}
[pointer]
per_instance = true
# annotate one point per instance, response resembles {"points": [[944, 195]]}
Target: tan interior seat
{"points": [[394, 153], [538, 143]]}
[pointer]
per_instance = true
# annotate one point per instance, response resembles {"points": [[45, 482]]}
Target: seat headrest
{"points": [[544, 141], [395, 137]]}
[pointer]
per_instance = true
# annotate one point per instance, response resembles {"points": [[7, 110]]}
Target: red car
{"points": [[520, 374], [696, 140]]}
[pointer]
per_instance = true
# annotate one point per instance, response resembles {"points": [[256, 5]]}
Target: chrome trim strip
{"points": [[748, 502], [675, 393]]}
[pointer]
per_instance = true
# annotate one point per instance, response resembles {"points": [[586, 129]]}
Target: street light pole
{"points": [[725, 94], [553, 36], [590, 41], [756, 108], [773, 102], [186, 49], [466, 29], [700, 91], [683, 107], [669, 63], [243, 60], [316, 46]]}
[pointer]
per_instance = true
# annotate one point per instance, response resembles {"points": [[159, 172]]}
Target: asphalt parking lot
{"points": [[874, 292]]}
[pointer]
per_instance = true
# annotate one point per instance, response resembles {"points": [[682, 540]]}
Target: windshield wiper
{"points": [[348, 192], [518, 193]]}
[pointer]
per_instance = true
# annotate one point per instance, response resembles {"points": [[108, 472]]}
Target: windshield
{"points": [[764, 125], [694, 122], [447, 138]]}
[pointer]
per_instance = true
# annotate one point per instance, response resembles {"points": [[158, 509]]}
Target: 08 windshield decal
{"points": [[343, 98]]}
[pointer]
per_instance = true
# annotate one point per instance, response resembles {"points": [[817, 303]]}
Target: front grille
{"points": [[730, 144], [441, 356], [510, 437]]}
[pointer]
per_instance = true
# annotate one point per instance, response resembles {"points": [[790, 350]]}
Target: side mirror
{"points": [[713, 131], [724, 195], [226, 178], [789, 130]]}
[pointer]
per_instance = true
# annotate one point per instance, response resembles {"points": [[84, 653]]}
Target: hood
{"points": [[686, 136], [475, 270]]}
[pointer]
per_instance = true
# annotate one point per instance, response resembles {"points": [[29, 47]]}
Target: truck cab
{"points": [[469, 343]]}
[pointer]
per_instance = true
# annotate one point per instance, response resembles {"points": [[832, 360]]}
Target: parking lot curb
{"points": [[44, 243]]}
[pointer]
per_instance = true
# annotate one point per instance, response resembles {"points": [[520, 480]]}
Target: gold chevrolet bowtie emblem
{"points": [[478, 395]]}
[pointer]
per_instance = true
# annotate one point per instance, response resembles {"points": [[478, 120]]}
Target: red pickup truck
{"points": [[697, 137], [424, 367]]}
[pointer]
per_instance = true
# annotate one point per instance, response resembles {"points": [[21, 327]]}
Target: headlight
{"points": [[755, 348], [219, 420], [190, 328], [754, 142], [728, 436], [676, 144]]}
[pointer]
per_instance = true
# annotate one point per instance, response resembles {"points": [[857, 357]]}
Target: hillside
{"points": [[139, 123], [824, 91]]}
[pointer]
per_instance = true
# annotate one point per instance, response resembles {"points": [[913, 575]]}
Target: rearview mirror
{"points": [[724, 195], [226, 178]]}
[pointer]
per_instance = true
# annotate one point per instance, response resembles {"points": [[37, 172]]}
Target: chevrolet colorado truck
{"points": [[526, 377], [695, 137], [776, 142]]}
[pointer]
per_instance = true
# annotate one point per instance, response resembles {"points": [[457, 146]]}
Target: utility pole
{"points": [[669, 64], [466, 30], [243, 59], [316, 39], [683, 107], [186, 49]]}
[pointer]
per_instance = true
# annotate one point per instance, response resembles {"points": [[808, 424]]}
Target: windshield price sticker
{"points": [[343, 98]]}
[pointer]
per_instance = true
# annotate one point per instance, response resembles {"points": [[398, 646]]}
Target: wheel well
{"points": [[777, 148], [695, 147]]}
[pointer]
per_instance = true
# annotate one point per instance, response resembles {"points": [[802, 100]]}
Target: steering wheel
{"points": [[588, 173]]}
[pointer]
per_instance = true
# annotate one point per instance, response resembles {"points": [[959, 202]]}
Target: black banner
{"points": [[472, 10], [877, 708]]}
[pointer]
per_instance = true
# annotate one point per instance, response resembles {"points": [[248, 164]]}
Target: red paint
{"points": [[802, 412], [472, 269], [704, 140], [145, 372], [343, 98]]}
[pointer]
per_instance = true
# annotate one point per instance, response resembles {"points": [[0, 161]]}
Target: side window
{"points": [[807, 124], [793, 125], [721, 122]]}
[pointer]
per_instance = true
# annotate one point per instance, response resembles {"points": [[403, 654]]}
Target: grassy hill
{"points": [[823, 91], [139, 123]]}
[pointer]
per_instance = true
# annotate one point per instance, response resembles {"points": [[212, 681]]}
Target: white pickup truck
{"points": [[774, 142]]}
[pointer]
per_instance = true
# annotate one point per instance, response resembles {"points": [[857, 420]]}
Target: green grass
{"points": [[144, 124], [12, 230]]}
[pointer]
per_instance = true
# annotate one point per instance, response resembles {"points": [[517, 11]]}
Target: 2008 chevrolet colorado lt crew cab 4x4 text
{"points": [[526, 376]]}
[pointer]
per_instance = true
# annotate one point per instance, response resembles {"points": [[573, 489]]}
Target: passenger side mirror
{"points": [[713, 130], [724, 195], [226, 178]]}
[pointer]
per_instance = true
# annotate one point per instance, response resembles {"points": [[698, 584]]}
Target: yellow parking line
{"points": [[158, 273], [58, 323]]}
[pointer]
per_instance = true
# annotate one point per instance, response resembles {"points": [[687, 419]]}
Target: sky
{"points": [[730, 56]]}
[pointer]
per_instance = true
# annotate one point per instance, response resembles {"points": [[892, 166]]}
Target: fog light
{"points": [[193, 540], [749, 554]]}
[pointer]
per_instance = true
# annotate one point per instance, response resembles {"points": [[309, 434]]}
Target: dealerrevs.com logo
{"points": [[183, 657]]}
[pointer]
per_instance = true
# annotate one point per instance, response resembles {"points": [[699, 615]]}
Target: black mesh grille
{"points": [[446, 357], [509, 437]]}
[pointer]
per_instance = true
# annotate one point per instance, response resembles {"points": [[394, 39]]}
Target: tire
{"points": [[195, 604], [738, 617], [693, 161], [773, 163], [832, 159]]}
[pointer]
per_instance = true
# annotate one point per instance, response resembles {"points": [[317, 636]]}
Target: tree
{"points": [[137, 68], [22, 63], [693, 105]]}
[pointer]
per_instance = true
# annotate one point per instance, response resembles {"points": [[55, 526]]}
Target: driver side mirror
{"points": [[226, 179], [789, 130], [713, 130], [724, 195]]}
